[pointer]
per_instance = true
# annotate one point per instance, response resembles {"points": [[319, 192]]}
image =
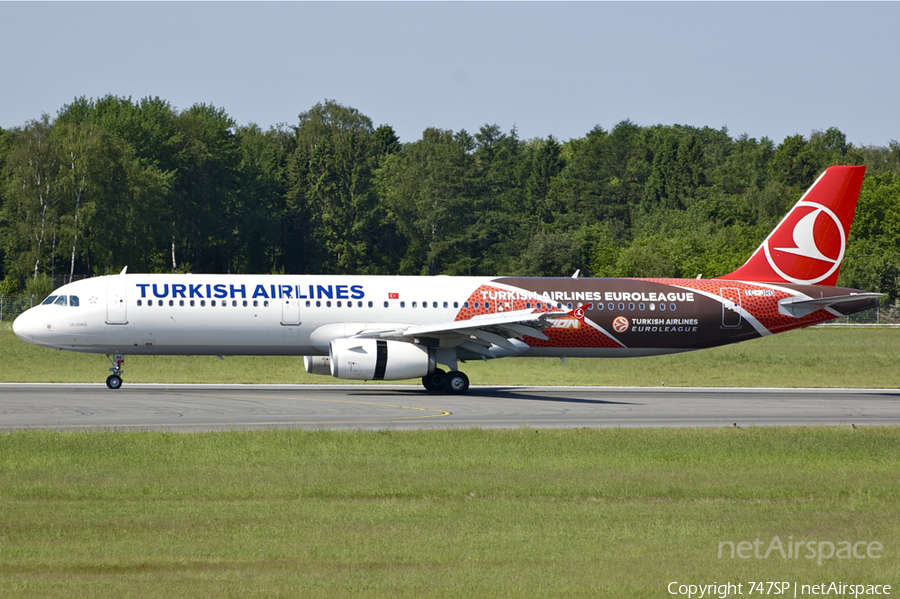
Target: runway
{"points": [[213, 407]]}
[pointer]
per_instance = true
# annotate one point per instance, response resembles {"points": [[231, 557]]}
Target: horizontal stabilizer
{"points": [[798, 308]]}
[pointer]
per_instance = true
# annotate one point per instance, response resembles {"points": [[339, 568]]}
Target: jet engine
{"points": [[377, 360], [317, 365]]}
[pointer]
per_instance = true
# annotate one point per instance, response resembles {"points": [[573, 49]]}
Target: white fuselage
{"points": [[293, 315]]}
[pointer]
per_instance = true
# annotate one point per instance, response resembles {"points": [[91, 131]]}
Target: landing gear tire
{"points": [[435, 381], [455, 383], [114, 381]]}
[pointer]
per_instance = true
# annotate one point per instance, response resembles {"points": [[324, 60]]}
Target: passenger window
{"points": [[445, 305], [192, 303], [611, 306], [339, 304], [385, 304], [621, 306], [456, 304], [599, 306], [328, 303], [308, 303], [203, 303], [641, 307], [49, 300], [476, 305], [138, 303], [265, 303], [414, 304], [402, 304], [318, 303], [60, 301], [73, 300], [527, 305], [465, 304], [672, 307], [569, 305], [359, 304], [631, 307], [434, 304], [662, 307], [487, 305], [370, 303], [171, 302]]}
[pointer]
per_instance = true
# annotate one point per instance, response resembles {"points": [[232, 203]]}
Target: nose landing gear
{"points": [[114, 381]]}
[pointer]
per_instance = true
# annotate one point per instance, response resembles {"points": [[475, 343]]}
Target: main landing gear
{"points": [[114, 381], [452, 383]]}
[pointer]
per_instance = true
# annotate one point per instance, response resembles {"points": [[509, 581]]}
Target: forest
{"points": [[111, 182]]}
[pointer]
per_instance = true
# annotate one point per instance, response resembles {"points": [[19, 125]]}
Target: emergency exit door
{"points": [[731, 307]]}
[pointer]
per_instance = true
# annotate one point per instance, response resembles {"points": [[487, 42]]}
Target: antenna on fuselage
{"points": [[577, 270], [123, 270]]}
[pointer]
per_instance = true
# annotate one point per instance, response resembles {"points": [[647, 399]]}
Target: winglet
{"points": [[808, 245]]}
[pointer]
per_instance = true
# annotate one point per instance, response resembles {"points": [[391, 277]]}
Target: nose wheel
{"points": [[114, 381]]}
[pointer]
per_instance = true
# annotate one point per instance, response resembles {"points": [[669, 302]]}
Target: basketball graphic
{"points": [[620, 324]]}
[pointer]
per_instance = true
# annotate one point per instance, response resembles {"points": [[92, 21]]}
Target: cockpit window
{"points": [[49, 300], [60, 301], [73, 300]]}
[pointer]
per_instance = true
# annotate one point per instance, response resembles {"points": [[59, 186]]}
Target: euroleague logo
{"points": [[620, 324], [808, 246]]}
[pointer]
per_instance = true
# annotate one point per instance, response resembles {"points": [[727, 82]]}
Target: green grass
{"points": [[456, 513], [817, 357]]}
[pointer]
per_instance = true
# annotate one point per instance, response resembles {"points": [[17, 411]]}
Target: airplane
{"points": [[406, 327]]}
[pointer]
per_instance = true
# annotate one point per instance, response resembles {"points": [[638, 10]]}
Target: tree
{"points": [[551, 255], [33, 196], [258, 246], [793, 163], [330, 196], [203, 202]]}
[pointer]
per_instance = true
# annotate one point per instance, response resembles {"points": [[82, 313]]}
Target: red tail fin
{"points": [[808, 244]]}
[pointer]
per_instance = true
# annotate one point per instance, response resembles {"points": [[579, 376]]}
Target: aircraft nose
{"points": [[23, 326]]}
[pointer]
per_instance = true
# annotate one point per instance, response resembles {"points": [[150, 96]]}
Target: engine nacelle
{"points": [[377, 360], [317, 365]]}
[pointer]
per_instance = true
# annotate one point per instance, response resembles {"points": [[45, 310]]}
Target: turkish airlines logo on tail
{"points": [[808, 246]]}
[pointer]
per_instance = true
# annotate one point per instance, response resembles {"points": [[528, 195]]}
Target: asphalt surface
{"points": [[212, 407]]}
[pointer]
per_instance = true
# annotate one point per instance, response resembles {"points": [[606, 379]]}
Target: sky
{"points": [[765, 68]]}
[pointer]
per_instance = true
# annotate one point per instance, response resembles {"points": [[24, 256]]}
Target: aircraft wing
{"points": [[798, 308], [475, 334]]}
